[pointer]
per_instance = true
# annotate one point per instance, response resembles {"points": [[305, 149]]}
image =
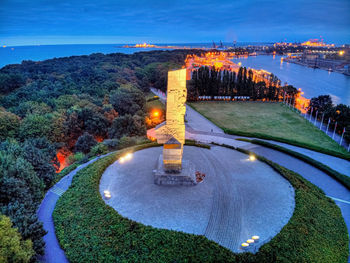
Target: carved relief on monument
{"points": [[172, 132]]}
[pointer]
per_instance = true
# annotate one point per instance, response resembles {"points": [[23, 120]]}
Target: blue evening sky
{"points": [[28, 22]]}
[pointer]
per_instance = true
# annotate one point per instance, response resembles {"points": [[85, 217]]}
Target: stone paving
{"points": [[237, 199]]}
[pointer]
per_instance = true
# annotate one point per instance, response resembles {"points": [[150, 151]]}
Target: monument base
{"points": [[187, 176]]}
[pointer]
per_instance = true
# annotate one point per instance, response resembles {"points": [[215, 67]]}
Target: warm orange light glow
{"points": [[222, 61], [155, 113], [144, 45], [62, 155], [316, 43], [341, 52], [252, 158]]}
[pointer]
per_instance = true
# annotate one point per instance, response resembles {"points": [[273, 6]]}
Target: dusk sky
{"points": [[25, 22]]}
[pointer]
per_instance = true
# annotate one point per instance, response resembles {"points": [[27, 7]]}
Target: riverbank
{"points": [[328, 65], [313, 82]]}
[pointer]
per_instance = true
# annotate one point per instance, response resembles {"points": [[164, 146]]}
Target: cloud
{"points": [[179, 21]]}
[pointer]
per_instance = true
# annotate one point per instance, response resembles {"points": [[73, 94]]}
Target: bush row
{"points": [[343, 179], [90, 231], [289, 141]]}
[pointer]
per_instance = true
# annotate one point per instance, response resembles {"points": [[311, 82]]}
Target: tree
{"points": [[9, 124], [321, 103], [35, 126], [20, 193], [126, 126], [10, 82], [128, 101], [84, 143], [12, 247], [41, 154]]}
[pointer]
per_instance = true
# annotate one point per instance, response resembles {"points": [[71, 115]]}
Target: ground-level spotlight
{"points": [[121, 159], [107, 194], [252, 157], [128, 156], [250, 241], [244, 245], [256, 238]]}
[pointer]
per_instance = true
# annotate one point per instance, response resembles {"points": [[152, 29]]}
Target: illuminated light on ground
{"points": [[107, 194], [255, 238], [128, 156], [252, 158], [250, 241], [244, 245]]}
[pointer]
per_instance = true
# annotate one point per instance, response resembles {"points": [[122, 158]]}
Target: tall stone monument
{"points": [[172, 170]]}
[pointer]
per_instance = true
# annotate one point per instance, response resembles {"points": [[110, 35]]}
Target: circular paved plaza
{"points": [[237, 199]]}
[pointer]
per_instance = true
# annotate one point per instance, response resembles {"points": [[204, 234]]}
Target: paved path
{"points": [[198, 123], [53, 251]]}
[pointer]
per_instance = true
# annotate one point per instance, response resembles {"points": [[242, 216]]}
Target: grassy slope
{"points": [[269, 119], [90, 231]]}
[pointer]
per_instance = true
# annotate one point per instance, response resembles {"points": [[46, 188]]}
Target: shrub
{"points": [[98, 149], [91, 231], [77, 157], [126, 141], [111, 143], [12, 247], [84, 143]]}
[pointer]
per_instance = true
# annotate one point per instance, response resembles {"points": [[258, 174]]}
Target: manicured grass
{"points": [[90, 231], [271, 121]]}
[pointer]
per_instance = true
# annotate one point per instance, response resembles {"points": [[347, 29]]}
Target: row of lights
{"points": [[254, 239], [126, 157]]}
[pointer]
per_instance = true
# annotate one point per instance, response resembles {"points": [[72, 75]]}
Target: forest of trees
{"points": [[214, 82], [69, 104]]}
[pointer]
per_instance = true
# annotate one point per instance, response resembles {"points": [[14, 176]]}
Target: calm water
{"points": [[13, 55], [313, 82]]}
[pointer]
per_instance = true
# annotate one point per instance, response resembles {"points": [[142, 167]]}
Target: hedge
{"points": [[288, 141], [90, 231], [343, 179]]}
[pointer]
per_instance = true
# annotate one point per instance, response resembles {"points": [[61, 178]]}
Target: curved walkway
{"points": [[53, 251]]}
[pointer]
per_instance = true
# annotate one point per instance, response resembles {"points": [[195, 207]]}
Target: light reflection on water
{"points": [[313, 82]]}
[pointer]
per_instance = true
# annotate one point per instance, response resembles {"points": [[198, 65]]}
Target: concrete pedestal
{"points": [[187, 176]]}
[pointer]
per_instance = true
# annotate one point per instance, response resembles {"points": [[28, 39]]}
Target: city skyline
{"points": [[108, 22]]}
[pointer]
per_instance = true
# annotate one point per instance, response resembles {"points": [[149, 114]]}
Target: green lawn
{"points": [[268, 121]]}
